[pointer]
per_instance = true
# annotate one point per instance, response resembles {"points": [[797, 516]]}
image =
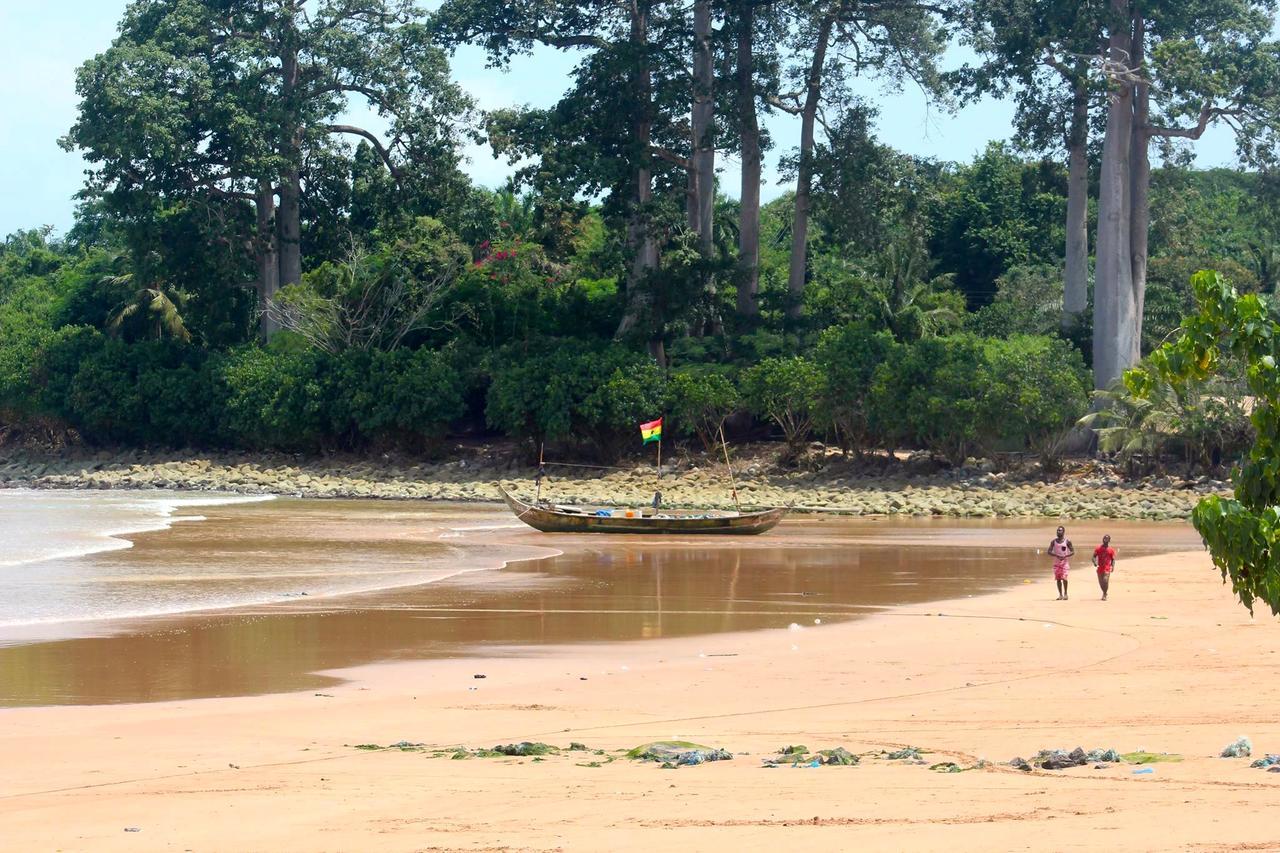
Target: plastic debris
{"points": [[1108, 755], [799, 756], [133, 829], [1238, 748], [677, 753], [839, 755], [1269, 761], [1058, 759], [1020, 764], [525, 748], [907, 752], [1142, 771], [404, 744]]}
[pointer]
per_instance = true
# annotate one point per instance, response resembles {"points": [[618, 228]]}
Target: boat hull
{"points": [[550, 520]]}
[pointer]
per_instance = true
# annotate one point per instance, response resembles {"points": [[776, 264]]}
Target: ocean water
{"points": [[146, 596], [38, 525], [68, 557]]}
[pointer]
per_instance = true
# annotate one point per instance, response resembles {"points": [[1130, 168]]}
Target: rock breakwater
{"points": [[1087, 491]]}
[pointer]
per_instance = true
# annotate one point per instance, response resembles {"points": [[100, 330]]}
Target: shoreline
{"points": [[214, 523], [596, 589], [1170, 664], [691, 480]]}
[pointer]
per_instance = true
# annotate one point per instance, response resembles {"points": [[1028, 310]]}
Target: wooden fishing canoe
{"points": [[572, 519]]}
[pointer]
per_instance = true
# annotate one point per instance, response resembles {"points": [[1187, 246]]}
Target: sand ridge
{"points": [[1170, 664]]}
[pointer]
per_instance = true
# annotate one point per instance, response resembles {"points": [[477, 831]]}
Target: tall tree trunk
{"points": [[749, 215], [1114, 311], [642, 307], [290, 216], [804, 173], [704, 153], [290, 222], [1140, 177], [1075, 295], [268, 260], [703, 159]]}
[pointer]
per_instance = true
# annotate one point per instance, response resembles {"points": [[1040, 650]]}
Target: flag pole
{"points": [[659, 459], [733, 487]]}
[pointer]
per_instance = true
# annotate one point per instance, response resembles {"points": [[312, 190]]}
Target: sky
{"points": [[42, 44]]}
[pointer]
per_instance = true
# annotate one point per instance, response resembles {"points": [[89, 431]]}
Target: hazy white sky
{"points": [[42, 44]]}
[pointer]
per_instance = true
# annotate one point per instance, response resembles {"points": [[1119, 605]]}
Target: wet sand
{"points": [[1170, 664], [598, 589]]}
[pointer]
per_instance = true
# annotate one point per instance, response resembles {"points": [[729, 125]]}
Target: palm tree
{"points": [[515, 212], [910, 305], [150, 305], [1134, 428]]}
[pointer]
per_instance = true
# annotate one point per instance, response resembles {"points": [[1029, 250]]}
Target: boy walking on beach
{"points": [[1104, 560], [1062, 551]]}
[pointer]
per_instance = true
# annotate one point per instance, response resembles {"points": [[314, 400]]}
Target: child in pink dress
{"points": [[1061, 550]]}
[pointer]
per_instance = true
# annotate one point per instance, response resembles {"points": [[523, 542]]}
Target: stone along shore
{"points": [[1087, 490]]}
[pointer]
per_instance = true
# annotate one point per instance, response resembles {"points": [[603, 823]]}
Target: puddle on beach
{"points": [[432, 604]]}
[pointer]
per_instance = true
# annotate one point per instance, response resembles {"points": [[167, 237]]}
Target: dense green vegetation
{"points": [[242, 275], [1228, 333]]}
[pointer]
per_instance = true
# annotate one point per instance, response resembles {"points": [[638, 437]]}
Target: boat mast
{"points": [[733, 487], [537, 498]]}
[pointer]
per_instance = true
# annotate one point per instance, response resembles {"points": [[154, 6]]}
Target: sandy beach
{"points": [[1170, 664]]}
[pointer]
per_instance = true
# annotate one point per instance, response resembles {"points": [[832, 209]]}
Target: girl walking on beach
{"points": [[1061, 550], [1104, 560]]}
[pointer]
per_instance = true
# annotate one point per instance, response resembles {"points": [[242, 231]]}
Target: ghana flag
{"points": [[652, 431]]}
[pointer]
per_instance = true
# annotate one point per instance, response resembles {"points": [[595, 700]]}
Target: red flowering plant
{"points": [[512, 289]]}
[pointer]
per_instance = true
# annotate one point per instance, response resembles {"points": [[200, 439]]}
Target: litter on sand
{"points": [[677, 753], [799, 756], [1238, 748]]}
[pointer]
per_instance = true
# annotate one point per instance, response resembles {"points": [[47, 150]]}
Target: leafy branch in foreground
{"points": [[1242, 533]]}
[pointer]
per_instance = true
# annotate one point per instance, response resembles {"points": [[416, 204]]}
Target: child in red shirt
{"points": [[1104, 559]]}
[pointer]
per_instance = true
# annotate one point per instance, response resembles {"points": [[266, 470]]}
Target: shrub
{"points": [[402, 397], [182, 398], [274, 399], [610, 415], [700, 399], [1035, 390], [104, 400], [784, 390], [153, 393], [955, 395], [1028, 301], [928, 394], [570, 389], [848, 357]]}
